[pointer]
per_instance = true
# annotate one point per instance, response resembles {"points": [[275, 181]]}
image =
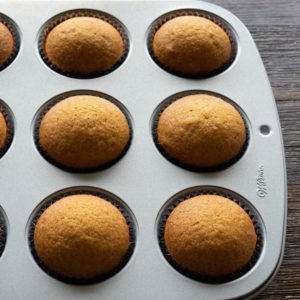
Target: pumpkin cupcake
{"points": [[3, 131], [210, 236], [191, 45], [81, 237], [84, 45], [6, 44], [84, 132], [201, 131]]}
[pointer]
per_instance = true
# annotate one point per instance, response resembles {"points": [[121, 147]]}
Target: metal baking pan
{"points": [[144, 179]]}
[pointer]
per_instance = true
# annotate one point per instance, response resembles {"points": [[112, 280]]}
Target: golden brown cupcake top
{"points": [[3, 130], [210, 235], [84, 132], [84, 45], [201, 131], [6, 44], [191, 45], [81, 236]]}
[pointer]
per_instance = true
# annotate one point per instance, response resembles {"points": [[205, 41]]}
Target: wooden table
{"points": [[275, 27]]}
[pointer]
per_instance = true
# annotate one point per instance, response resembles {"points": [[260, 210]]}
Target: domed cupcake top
{"points": [[84, 132], [201, 131], [81, 236], [210, 235], [84, 45], [6, 43], [192, 45]]}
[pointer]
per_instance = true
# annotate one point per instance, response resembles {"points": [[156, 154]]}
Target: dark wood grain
{"points": [[275, 27]]}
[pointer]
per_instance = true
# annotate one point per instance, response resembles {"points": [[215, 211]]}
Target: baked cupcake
{"points": [[83, 132], [3, 131], [201, 131], [192, 45], [81, 237], [6, 44], [210, 236], [84, 45]]}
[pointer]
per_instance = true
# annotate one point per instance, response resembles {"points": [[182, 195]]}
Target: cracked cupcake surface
{"points": [[81, 236], [84, 45], [201, 131], [192, 45], [3, 130], [6, 44], [210, 235], [84, 132]]}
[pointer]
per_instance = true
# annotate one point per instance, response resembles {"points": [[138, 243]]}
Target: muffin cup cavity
{"points": [[12, 27], [46, 107], [159, 110], [8, 116], [123, 208], [3, 231], [56, 20], [192, 12], [209, 190]]}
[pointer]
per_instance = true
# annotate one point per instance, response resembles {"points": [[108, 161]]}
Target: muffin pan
{"points": [[143, 178]]}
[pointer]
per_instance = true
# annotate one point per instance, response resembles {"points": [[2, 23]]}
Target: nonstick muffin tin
{"points": [[143, 178]]}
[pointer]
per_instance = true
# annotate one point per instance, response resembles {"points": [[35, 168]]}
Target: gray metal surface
{"points": [[143, 178]]}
